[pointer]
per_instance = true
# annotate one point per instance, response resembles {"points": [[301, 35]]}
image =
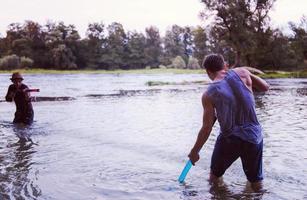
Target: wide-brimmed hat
{"points": [[16, 75]]}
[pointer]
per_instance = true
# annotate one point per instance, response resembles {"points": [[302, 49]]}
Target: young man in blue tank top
{"points": [[229, 99]]}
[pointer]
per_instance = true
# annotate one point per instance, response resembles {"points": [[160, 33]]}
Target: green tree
{"points": [[35, 37], [94, 45], [282, 55], [10, 62], [178, 63], [193, 63], [62, 42], [153, 49], [16, 40], [26, 62], [173, 44], [2, 47], [187, 40], [238, 22], [26, 40], [200, 43], [115, 49], [299, 40], [136, 55]]}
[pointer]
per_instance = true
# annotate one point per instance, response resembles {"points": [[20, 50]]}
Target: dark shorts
{"points": [[26, 117], [229, 149]]}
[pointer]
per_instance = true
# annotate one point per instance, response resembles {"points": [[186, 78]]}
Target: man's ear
{"points": [[209, 74]]}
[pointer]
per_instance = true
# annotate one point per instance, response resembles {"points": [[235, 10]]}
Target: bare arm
{"points": [[10, 95], [204, 132], [259, 84], [252, 81]]}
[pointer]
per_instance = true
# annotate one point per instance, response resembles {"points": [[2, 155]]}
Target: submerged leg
{"points": [[214, 179], [218, 188], [257, 186]]}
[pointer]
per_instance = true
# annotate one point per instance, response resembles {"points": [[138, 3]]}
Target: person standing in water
{"points": [[230, 100], [19, 93]]}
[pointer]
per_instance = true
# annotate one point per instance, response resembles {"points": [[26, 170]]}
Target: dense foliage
{"points": [[239, 29]]}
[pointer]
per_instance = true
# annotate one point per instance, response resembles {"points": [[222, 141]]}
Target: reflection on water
{"points": [[221, 190], [16, 161], [113, 137]]}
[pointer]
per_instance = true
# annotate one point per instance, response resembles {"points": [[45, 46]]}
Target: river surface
{"points": [[112, 137]]}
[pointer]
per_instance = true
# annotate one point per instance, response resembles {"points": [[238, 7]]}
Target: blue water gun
{"points": [[185, 171]]}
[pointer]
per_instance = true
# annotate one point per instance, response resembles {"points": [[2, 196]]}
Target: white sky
{"points": [[133, 14]]}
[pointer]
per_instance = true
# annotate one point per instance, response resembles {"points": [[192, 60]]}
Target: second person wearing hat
{"points": [[18, 93]]}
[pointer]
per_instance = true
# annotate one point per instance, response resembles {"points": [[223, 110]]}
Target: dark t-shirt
{"points": [[24, 110]]}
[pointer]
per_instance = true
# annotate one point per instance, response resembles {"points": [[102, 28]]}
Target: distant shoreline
{"points": [[98, 71], [267, 74]]}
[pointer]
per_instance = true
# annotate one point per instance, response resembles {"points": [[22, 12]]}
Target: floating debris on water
{"points": [[38, 99], [302, 91], [121, 93], [156, 83]]}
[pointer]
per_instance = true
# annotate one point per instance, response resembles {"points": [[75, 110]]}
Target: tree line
{"points": [[239, 29]]}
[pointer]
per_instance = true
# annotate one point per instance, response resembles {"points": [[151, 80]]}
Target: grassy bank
{"points": [[91, 71], [268, 74], [283, 74]]}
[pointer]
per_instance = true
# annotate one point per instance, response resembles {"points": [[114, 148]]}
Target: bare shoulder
{"points": [[242, 72], [205, 99], [245, 76]]}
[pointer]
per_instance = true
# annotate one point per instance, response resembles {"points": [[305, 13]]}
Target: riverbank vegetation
{"points": [[118, 71], [284, 74], [241, 32], [266, 74]]}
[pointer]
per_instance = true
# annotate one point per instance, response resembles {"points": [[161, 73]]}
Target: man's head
{"points": [[16, 78], [213, 63]]}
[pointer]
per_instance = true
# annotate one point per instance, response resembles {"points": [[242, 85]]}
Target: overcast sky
{"points": [[133, 14]]}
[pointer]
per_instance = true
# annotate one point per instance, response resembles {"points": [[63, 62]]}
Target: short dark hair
{"points": [[213, 62]]}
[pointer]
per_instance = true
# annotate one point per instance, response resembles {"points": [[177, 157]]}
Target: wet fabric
{"points": [[229, 149], [24, 110], [235, 108]]}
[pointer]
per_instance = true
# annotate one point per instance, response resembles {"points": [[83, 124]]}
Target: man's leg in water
{"points": [[252, 164], [213, 178], [257, 186], [226, 151]]}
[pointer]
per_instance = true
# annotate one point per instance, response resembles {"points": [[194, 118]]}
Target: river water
{"points": [[106, 137]]}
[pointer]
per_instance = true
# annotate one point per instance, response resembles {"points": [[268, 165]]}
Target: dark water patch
{"points": [[138, 92], [292, 90], [15, 181], [123, 93], [302, 91], [276, 89], [39, 99], [184, 90], [94, 96], [6, 124], [63, 98], [130, 93], [161, 83]]}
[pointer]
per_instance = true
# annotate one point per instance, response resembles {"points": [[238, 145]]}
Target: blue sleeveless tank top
{"points": [[235, 108]]}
